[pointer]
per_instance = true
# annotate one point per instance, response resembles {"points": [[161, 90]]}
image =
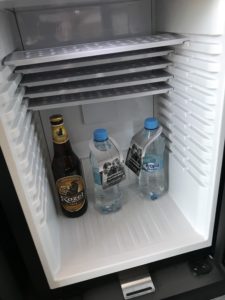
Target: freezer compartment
{"points": [[129, 68]]}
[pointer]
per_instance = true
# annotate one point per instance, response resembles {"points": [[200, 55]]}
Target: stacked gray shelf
{"points": [[95, 72]]}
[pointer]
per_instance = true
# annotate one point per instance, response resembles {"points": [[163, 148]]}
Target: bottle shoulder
{"points": [[103, 146], [158, 146]]}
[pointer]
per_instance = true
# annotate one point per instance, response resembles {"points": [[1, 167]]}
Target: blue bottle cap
{"points": [[151, 123], [100, 135]]}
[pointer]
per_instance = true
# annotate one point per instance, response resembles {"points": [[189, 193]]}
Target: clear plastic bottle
{"points": [[152, 175], [110, 199]]}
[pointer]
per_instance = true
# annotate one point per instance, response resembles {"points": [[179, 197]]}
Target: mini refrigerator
{"points": [[111, 64]]}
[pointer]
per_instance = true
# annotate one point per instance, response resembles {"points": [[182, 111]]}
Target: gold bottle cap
{"points": [[56, 118]]}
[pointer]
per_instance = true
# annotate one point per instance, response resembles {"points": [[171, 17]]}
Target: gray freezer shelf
{"points": [[99, 96], [122, 68], [93, 61], [22, 58], [98, 84]]}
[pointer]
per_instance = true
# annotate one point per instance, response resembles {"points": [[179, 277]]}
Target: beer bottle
{"points": [[67, 172]]}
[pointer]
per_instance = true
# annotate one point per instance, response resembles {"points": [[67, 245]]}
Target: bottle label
{"points": [[111, 168], [71, 192], [112, 172], [137, 150], [59, 134], [152, 163], [134, 158]]}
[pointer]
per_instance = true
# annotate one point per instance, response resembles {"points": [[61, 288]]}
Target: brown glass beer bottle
{"points": [[67, 171]]}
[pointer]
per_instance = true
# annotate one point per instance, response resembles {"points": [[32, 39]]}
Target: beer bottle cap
{"points": [[56, 119]]}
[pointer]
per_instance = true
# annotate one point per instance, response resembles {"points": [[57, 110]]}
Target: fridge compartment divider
{"points": [[35, 189], [202, 57], [13, 108], [203, 138], [6, 71], [30, 175], [182, 158], [165, 105], [194, 93], [8, 89], [199, 179], [201, 109], [20, 58], [201, 174], [210, 83], [25, 162], [204, 166], [181, 83], [203, 150], [98, 84], [24, 147], [194, 119], [208, 66], [39, 205], [94, 61], [63, 76], [188, 165], [25, 127], [190, 156], [19, 122], [99, 96], [203, 47]]}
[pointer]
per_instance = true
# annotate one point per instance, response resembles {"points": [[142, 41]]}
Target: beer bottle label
{"points": [[59, 134], [71, 192]]}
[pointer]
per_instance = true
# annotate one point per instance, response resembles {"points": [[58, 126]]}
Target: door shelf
{"points": [[116, 94], [21, 58], [98, 84]]}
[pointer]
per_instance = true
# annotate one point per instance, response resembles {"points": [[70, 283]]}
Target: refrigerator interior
{"points": [[189, 105]]}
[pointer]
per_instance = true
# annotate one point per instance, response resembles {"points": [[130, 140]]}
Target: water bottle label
{"points": [[111, 168], [137, 150], [134, 158], [152, 163], [113, 172]]}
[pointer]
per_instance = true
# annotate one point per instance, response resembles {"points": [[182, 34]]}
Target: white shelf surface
{"points": [[141, 232]]}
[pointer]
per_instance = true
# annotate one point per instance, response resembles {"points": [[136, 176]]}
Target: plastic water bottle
{"points": [[152, 175], [109, 199]]}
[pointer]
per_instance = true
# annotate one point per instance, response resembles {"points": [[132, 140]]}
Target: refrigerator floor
{"points": [[141, 232]]}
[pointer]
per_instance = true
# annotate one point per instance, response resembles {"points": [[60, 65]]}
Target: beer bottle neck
{"points": [[63, 149], [61, 141]]}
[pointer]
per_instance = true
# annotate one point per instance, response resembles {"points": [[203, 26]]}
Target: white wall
{"points": [[190, 16]]}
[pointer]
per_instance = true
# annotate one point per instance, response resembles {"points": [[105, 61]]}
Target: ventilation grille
{"points": [[188, 112]]}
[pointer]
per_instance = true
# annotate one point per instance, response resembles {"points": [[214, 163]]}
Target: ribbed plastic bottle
{"points": [[152, 183], [110, 199]]}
